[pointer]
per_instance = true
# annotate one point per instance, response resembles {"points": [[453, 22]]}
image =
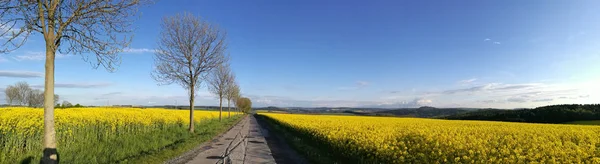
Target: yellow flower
{"points": [[417, 140]]}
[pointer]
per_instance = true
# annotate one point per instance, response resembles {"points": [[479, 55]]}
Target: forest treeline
{"points": [[545, 114]]}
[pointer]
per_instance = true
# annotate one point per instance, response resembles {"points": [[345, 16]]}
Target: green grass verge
{"points": [[203, 134], [593, 122], [155, 146]]}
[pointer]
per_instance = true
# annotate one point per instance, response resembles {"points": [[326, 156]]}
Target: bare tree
{"points": [[232, 92], [97, 27], [66, 104], [188, 49], [22, 94], [11, 94], [23, 90], [217, 84], [56, 99], [35, 98]]}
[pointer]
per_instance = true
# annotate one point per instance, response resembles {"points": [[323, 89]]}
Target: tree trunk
{"points": [[192, 110], [220, 107], [228, 111], [50, 154]]}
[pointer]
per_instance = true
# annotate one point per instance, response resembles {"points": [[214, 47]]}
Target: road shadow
{"points": [[256, 142], [46, 159], [214, 157], [27, 160], [281, 151]]}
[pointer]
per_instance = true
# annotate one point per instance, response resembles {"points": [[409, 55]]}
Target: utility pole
{"points": [[176, 104]]}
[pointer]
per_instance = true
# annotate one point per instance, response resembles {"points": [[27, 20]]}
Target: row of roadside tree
{"points": [[190, 50]]}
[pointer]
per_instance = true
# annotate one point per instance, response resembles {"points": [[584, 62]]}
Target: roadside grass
{"points": [[107, 135], [203, 134]]}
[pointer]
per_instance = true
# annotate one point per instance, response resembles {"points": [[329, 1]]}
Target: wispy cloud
{"points": [[490, 40], [491, 87], [77, 85], [3, 59], [35, 56], [280, 101], [290, 102], [21, 74], [138, 50], [112, 93], [9, 31], [543, 100], [488, 101], [467, 81], [516, 100]]}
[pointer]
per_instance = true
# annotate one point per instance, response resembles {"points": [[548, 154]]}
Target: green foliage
{"points": [[244, 104], [546, 114], [594, 122], [67, 104]]}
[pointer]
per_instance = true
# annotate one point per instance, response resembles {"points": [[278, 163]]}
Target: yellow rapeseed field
{"points": [[86, 130], [416, 140]]}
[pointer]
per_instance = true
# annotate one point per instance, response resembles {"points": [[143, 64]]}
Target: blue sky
{"points": [[502, 54]]}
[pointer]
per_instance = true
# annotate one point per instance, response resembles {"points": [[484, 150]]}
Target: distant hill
{"points": [[545, 114], [425, 112]]}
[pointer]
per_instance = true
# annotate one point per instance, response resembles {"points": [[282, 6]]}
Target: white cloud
{"points": [[421, 102], [7, 30], [21, 74], [490, 95], [490, 40], [35, 56], [492, 87], [468, 81], [262, 101], [77, 85], [516, 100], [3, 59], [138, 50], [543, 100]]}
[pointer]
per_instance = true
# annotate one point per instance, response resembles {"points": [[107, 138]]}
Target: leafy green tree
{"points": [[244, 104]]}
